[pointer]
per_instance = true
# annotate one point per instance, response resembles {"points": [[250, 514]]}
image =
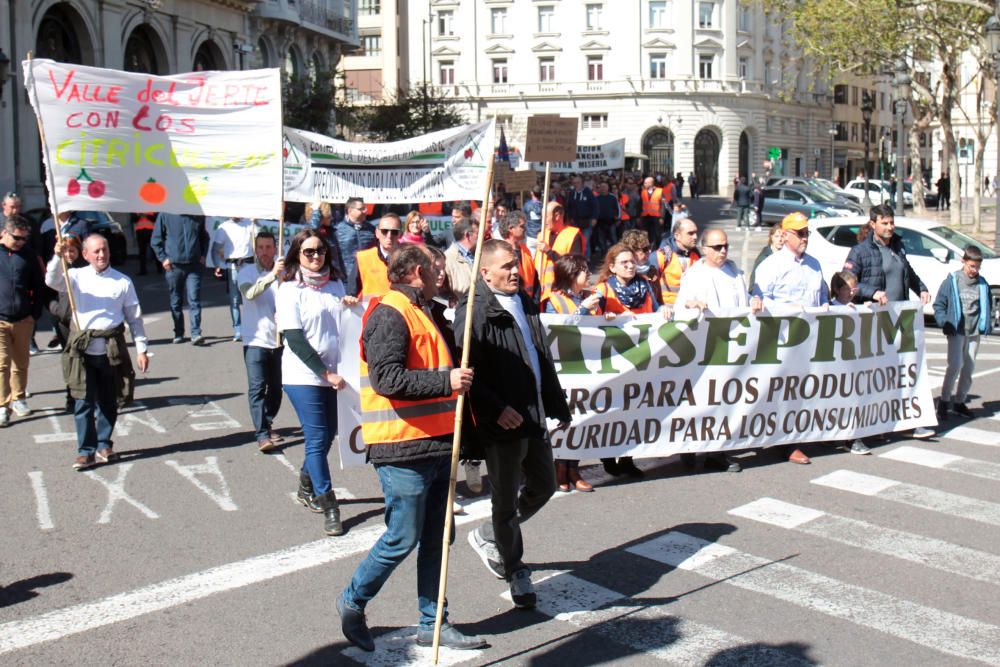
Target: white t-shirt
{"points": [[317, 313], [259, 329], [722, 289], [234, 239]]}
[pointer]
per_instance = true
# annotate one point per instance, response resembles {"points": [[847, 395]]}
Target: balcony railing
{"points": [[619, 88], [324, 16]]}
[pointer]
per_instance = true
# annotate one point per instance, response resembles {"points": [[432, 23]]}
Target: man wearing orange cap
{"points": [[790, 277]]}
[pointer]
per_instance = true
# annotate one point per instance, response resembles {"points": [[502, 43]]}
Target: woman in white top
{"points": [[308, 311]]}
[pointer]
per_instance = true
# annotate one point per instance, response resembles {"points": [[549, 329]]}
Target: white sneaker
{"points": [[20, 408], [4, 417], [922, 432], [473, 477]]}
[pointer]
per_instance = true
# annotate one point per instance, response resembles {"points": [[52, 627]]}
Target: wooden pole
{"points": [[545, 207], [456, 442], [50, 184]]}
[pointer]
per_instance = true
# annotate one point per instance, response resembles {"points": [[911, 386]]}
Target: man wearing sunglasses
{"points": [[714, 284], [790, 277], [21, 287], [370, 276]]}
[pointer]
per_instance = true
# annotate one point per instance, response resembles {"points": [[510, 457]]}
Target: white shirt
{"points": [[259, 328], [512, 304], [103, 301], [317, 313], [784, 278], [233, 239], [721, 288]]}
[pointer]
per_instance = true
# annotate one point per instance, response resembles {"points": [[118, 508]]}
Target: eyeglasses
{"points": [[719, 247], [390, 232], [802, 233], [22, 239], [312, 253]]}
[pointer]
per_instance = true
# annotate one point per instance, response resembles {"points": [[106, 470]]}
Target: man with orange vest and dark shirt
{"points": [[654, 205], [370, 274], [555, 240], [143, 224], [409, 386], [675, 256], [513, 230]]}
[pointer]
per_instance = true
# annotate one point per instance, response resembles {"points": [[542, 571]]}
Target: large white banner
{"points": [[641, 386], [447, 165], [204, 143], [599, 157]]}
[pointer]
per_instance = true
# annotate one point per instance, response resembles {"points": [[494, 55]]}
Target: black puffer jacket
{"points": [[503, 375], [865, 261]]}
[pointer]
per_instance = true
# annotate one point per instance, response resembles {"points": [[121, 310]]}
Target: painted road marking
{"points": [[930, 458], [340, 492], [206, 409], [913, 495], [927, 551], [116, 492], [399, 649], [925, 626], [41, 500], [138, 414], [57, 435], [976, 436], [210, 468]]}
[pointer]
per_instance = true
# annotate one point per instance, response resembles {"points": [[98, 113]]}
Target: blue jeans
{"points": [[96, 414], [263, 386], [317, 411], [186, 277], [235, 298], [416, 499]]}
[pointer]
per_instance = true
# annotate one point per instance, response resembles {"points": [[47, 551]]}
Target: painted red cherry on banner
{"points": [[73, 187], [468, 153], [284, 152], [96, 189]]}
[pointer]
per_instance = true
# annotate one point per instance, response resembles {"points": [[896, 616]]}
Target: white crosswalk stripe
{"points": [[928, 627], [976, 436], [914, 495], [399, 649], [930, 458], [933, 553], [650, 630]]}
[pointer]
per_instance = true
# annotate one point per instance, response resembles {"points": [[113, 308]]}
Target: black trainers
{"points": [[961, 409], [450, 638], [942, 410], [522, 591], [488, 553], [354, 626]]}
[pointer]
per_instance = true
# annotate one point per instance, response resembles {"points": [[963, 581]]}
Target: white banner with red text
{"points": [[645, 387]]}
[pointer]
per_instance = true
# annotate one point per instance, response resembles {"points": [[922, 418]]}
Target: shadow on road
{"points": [[24, 590]]}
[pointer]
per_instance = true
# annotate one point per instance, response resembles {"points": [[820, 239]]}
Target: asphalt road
{"points": [[190, 551]]}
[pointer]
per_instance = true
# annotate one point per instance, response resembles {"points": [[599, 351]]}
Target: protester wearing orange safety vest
{"points": [[675, 256], [431, 208], [555, 240], [370, 275], [623, 289], [143, 223], [409, 387], [512, 230], [654, 204]]}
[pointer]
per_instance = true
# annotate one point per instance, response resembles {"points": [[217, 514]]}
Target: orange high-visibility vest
{"points": [[613, 305], [374, 273], [671, 272], [652, 205], [561, 246], [564, 305], [145, 221], [396, 420], [431, 208], [622, 205], [370, 209], [526, 269]]}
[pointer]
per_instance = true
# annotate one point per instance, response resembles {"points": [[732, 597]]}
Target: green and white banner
{"points": [[447, 165], [642, 386]]}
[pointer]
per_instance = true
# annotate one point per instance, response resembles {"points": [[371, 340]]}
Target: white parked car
{"points": [[933, 250], [878, 191]]}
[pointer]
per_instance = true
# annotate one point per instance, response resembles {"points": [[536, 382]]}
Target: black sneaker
{"points": [[942, 410], [488, 553], [522, 591], [450, 638], [962, 409], [354, 626]]}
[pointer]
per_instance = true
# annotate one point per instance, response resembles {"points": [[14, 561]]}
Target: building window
{"points": [[657, 66], [595, 68], [371, 45], [546, 69], [769, 73], [881, 101], [744, 66], [446, 71], [594, 16], [446, 23], [593, 121], [657, 13], [743, 19], [498, 20], [369, 7], [705, 12], [500, 70], [854, 96], [705, 66], [546, 18], [840, 94], [854, 131]]}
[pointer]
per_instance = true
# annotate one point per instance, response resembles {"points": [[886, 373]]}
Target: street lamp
{"points": [[901, 82], [993, 43], [833, 164], [867, 107]]}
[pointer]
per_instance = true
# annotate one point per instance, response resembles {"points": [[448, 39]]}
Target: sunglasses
{"points": [[314, 252], [719, 247], [390, 232], [22, 239], [802, 233]]}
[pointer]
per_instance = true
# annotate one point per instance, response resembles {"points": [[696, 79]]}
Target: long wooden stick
{"points": [[545, 208], [50, 183], [456, 442]]}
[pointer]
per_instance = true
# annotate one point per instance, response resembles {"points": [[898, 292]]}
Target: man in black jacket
{"points": [[515, 388], [880, 263]]}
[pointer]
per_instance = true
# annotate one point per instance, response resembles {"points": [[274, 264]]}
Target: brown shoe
{"points": [[799, 457], [275, 438], [266, 444], [562, 477], [83, 462], [579, 482], [106, 455]]}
